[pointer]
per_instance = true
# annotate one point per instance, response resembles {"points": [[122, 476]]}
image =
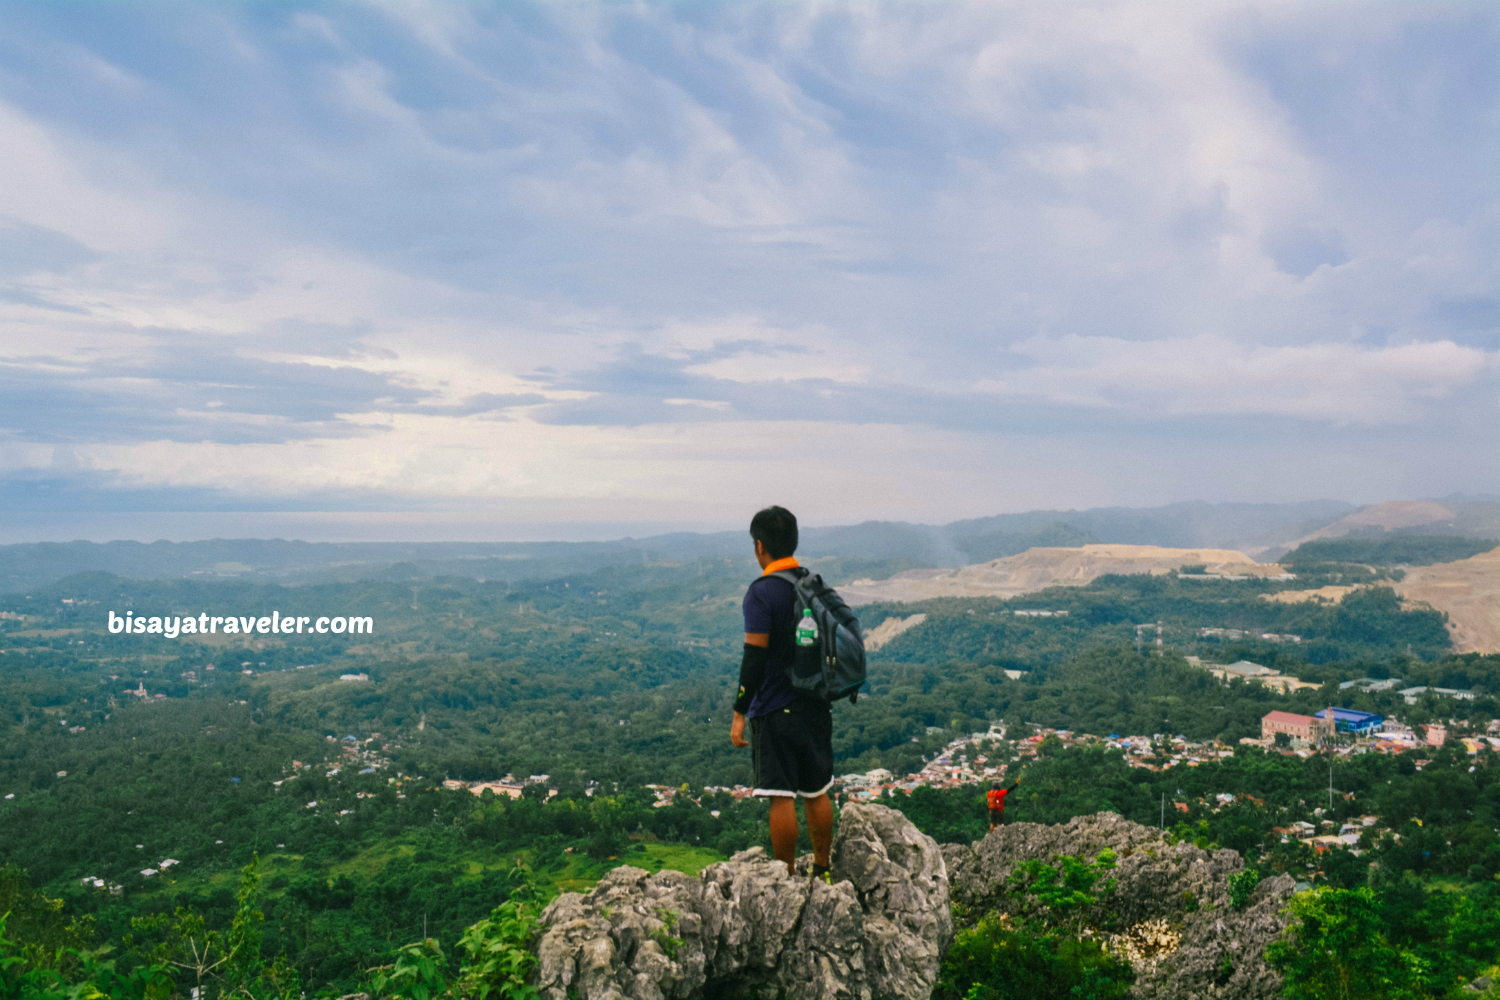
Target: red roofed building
{"points": [[1298, 727]]}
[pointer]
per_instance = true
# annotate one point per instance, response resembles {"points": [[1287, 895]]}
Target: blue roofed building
{"points": [[1347, 720]]}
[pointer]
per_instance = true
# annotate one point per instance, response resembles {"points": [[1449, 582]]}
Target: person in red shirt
{"points": [[996, 799]]}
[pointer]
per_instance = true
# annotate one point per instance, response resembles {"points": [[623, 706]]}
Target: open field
{"points": [[1330, 594]]}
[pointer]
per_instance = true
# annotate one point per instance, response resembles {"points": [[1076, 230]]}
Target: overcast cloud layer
{"points": [[663, 263]]}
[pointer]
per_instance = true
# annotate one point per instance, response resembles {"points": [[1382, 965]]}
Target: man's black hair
{"points": [[776, 529]]}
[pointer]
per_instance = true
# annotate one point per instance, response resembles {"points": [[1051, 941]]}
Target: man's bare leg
{"points": [[819, 827], [784, 829]]}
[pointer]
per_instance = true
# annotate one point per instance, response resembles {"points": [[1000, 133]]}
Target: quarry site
{"points": [[1467, 590]]}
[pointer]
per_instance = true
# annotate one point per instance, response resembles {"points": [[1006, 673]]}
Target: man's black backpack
{"points": [[834, 666]]}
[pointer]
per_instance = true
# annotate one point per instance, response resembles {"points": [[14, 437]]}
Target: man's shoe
{"points": [[820, 873]]}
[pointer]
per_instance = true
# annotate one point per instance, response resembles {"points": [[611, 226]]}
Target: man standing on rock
{"points": [[791, 737]]}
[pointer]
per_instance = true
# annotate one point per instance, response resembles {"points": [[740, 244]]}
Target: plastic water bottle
{"points": [[807, 629]]}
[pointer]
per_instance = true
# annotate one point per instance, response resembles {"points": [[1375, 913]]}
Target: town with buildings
{"points": [[997, 756], [974, 759]]}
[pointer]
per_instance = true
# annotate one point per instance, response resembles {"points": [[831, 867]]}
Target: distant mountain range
{"points": [[1264, 531]]}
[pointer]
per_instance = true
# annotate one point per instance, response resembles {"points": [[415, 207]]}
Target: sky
{"points": [[582, 270]]}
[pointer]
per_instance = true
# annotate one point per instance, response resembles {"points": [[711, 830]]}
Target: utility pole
{"points": [[1330, 786], [1163, 810]]}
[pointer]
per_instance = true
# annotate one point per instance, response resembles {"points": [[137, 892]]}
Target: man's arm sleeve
{"points": [[752, 672], [758, 617]]}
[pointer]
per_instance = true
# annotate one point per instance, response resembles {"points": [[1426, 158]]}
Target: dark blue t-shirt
{"points": [[770, 605]]}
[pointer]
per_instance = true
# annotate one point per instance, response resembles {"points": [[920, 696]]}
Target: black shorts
{"points": [[793, 750]]}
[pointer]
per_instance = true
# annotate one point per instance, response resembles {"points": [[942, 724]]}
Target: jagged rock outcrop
{"points": [[745, 929], [1170, 906]]}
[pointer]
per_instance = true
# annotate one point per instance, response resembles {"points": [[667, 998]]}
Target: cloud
{"points": [[1299, 251], [26, 249], [22, 297], [180, 387], [1140, 382], [235, 242], [1338, 383], [487, 403]]}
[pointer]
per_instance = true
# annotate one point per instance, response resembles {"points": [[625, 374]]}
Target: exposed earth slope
{"points": [[1037, 569], [1469, 591], [1476, 519], [889, 629], [1387, 516]]}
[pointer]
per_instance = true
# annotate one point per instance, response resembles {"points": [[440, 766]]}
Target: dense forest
{"points": [[256, 751], [1385, 550]]}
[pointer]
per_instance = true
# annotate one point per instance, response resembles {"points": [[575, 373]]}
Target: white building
{"points": [[1411, 694]]}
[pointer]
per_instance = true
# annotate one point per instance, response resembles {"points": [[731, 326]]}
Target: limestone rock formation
{"points": [[745, 929], [1170, 906]]}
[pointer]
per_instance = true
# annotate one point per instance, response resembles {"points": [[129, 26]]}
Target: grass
{"points": [[372, 860], [577, 872], [581, 873]]}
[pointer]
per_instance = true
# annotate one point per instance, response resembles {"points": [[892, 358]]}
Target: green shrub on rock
{"points": [[998, 960], [1241, 885]]}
